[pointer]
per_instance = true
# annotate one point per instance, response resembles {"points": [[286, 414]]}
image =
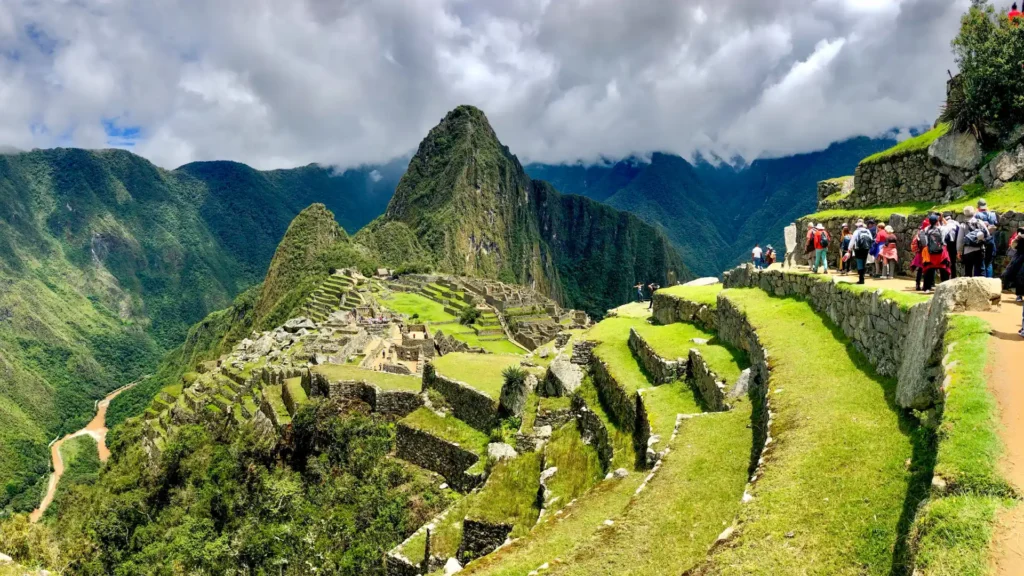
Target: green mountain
{"points": [[106, 261], [471, 206], [713, 213]]}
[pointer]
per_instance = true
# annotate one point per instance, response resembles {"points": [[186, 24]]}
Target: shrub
{"points": [[989, 51], [469, 316]]}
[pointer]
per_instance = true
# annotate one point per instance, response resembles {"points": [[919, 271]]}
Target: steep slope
{"points": [[714, 213], [107, 260], [469, 203]]}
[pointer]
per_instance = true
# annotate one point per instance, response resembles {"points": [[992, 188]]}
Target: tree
{"points": [[989, 93]]}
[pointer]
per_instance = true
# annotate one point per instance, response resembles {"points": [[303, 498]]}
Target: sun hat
{"points": [[889, 230], [982, 203], [820, 227]]}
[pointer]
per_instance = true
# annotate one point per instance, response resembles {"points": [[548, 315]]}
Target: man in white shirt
{"points": [[758, 260]]}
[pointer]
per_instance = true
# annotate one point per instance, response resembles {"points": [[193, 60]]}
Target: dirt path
{"points": [[97, 428], [1005, 370]]}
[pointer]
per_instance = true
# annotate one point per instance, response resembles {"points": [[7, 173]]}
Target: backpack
{"points": [[863, 241], [935, 243], [976, 235], [823, 239]]}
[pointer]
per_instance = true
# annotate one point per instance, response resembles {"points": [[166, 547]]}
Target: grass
{"points": [[668, 528], [529, 414], [273, 396], [383, 380], [836, 495], [296, 392], [558, 534], [444, 538], [952, 536], [411, 304], [701, 294], [481, 371], [664, 403], [470, 338], [613, 335], [910, 145], [633, 310], [1009, 197], [448, 428], [676, 340], [906, 300], [579, 467], [510, 494], [556, 403]]}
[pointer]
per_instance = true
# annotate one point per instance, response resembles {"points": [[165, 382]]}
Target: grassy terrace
{"points": [[579, 468], [295, 391], [1009, 197], [272, 394], [383, 380], [676, 340], [510, 494], [666, 402], [481, 371], [613, 335], [668, 528], [558, 534], [411, 304], [444, 538], [622, 440], [906, 300], [470, 337], [700, 294], [910, 145], [836, 479], [448, 428]]}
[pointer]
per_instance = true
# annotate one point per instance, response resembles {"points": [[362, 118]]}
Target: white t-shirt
{"points": [[757, 253]]}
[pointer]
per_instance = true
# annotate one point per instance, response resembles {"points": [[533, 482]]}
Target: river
{"points": [[97, 428]]}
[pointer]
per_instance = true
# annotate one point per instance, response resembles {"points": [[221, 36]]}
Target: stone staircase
{"points": [[339, 292]]}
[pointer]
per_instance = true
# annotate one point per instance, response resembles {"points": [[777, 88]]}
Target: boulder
{"points": [[300, 323], [512, 401], [5, 559], [709, 281], [969, 294], [790, 233], [452, 566], [1008, 166], [919, 376], [563, 378], [499, 451], [957, 149], [1015, 137]]}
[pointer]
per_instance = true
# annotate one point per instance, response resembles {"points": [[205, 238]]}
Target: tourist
{"points": [[1014, 14], [809, 245], [889, 254], [873, 252], [845, 261], [652, 288], [821, 242], [952, 230], [970, 244], [934, 255], [756, 254], [1013, 276], [915, 249], [992, 221], [769, 256], [639, 291], [860, 245]]}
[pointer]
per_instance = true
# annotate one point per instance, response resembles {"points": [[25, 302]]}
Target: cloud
{"points": [[348, 82]]}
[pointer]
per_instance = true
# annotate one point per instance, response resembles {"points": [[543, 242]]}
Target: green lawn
{"points": [[668, 528], [272, 394], [954, 535], [503, 346], [448, 428], [633, 310], [1009, 197], [906, 300], [915, 144], [444, 538], [510, 494], [295, 390], [415, 304], [481, 371], [384, 380], [836, 480], [700, 294], [579, 468], [676, 340]]}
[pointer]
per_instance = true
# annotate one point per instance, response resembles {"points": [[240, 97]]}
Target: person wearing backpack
{"points": [[951, 229], [860, 245], [970, 243], [989, 218], [809, 245], [934, 255], [821, 242], [845, 261], [889, 254], [1013, 275]]}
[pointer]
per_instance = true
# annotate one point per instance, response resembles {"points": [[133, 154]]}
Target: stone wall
{"points": [[481, 538], [593, 431], [899, 342], [905, 228], [386, 402], [706, 382], [468, 404], [437, 455], [582, 352], [902, 179], [626, 409], [661, 370], [671, 309], [399, 403]]}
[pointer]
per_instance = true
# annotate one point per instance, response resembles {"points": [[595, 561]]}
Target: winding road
{"points": [[97, 428]]}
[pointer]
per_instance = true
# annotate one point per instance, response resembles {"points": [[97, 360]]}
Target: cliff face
{"points": [[473, 208]]}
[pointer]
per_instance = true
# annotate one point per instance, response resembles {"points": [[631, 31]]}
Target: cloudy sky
{"points": [[280, 83]]}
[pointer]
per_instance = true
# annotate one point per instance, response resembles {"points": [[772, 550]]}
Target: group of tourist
{"points": [[651, 289], [763, 258]]}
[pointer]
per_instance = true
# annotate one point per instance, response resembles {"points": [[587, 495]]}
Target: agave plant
{"points": [[958, 111]]}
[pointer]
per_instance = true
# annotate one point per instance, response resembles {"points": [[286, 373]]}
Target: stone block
{"points": [[957, 149], [562, 379], [969, 294]]}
